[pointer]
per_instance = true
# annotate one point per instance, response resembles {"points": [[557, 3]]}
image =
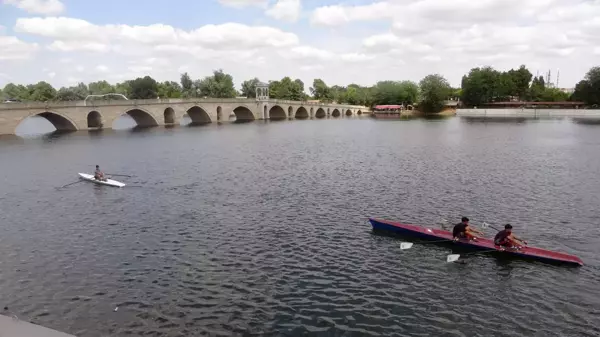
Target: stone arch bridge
{"points": [[82, 115]]}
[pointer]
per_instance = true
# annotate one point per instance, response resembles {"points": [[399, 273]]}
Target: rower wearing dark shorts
{"points": [[462, 230], [506, 239]]}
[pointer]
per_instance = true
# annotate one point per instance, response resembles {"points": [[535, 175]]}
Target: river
{"points": [[261, 229]]}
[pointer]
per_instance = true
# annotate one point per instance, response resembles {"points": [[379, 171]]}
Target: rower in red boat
{"points": [[506, 239], [462, 230]]}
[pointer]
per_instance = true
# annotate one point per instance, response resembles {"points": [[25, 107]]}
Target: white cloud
{"points": [[44, 7], [243, 3], [339, 14], [11, 48], [216, 37], [431, 58], [101, 68], [312, 67], [356, 58], [285, 10], [70, 46], [51, 74]]}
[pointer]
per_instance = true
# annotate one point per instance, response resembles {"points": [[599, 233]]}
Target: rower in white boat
{"points": [[99, 175]]}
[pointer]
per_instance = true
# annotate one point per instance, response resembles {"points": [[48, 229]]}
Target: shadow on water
{"points": [[587, 121], [198, 124], [506, 120], [57, 135], [435, 117], [243, 121]]}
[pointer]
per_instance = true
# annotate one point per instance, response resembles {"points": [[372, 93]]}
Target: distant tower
{"points": [[557, 76], [549, 78]]}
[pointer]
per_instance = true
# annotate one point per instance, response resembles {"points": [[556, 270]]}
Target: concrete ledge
{"points": [[12, 327], [529, 113]]}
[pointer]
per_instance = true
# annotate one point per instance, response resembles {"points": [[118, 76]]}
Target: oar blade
{"points": [[405, 245], [452, 258]]}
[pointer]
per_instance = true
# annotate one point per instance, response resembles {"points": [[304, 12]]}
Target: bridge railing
{"points": [[99, 103]]}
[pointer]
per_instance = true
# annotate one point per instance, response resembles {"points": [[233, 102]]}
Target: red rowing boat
{"points": [[482, 244]]}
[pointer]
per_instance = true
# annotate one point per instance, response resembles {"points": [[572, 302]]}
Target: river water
{"points": [[260, 229]]}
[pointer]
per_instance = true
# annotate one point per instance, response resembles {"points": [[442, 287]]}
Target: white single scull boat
{"points": [[109, 182]]}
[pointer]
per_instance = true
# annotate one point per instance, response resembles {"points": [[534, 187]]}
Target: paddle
{"points": [[77, 182], [118, 175], [486, 225], [408, 245], [455, 257]]}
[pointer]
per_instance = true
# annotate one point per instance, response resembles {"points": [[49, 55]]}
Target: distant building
{"points": [[567, 90]]}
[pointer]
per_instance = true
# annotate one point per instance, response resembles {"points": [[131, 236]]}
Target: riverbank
{"points": [[530, 113], [409, 114]]}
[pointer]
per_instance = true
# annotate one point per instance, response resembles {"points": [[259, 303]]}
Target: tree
{"points": [[554, 95], [537, 89], [76, 93], [249, 88], [480, 86], [521, 79], [42, 91], [143, 88], [506, 87], [287, 89], [187, 86], [320, 91], [219, 85], [123, 88], [434, 92], [169, 89], [393, 92], [13, 91], [101, 88], [588, 89]]}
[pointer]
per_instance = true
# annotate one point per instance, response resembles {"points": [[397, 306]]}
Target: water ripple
{"points": [[260, 230]]}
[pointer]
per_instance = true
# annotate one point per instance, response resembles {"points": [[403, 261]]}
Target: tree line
{"points": [[486, 85], [479, 86]]}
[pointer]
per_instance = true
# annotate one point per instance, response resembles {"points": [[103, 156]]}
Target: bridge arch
{"points": [[335, 113], [243, 114], [94, 120], [277, 113], [301, 113], [320, 113], [60, 122], [198, 115], [410, 107], [141, 117], [359, 112], [348, 112], [169, 116]]}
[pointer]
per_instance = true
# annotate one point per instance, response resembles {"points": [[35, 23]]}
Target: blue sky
{"points": [[340, 41]]}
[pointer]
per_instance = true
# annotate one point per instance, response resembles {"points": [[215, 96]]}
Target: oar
{"points": [[118, 175], [486, 225], [77, 182], [454, 257], [408, 245]]}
